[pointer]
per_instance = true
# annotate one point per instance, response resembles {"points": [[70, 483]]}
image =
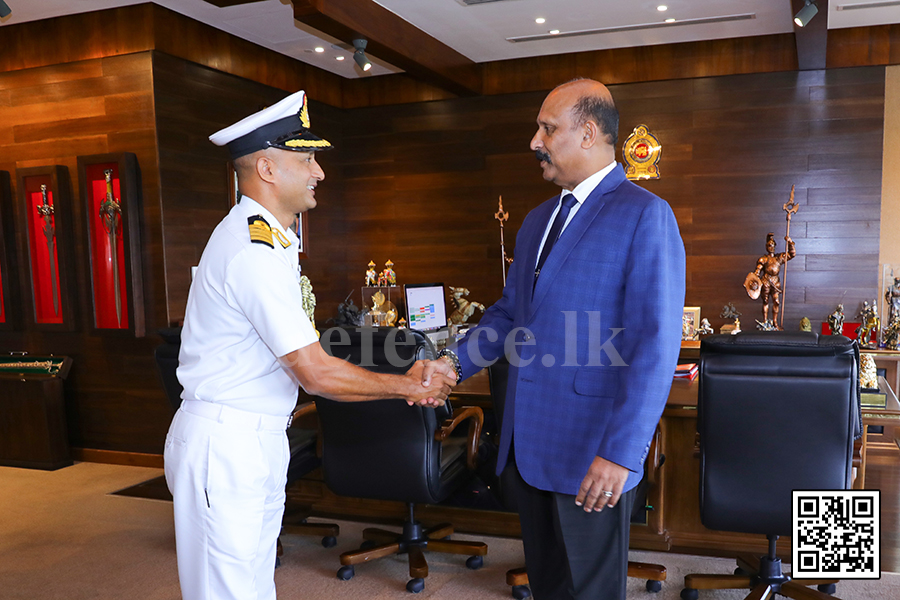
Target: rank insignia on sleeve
{"points": [[260, 231]]}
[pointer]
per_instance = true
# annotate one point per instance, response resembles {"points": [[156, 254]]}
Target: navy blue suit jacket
{"points": [[596, 346]]}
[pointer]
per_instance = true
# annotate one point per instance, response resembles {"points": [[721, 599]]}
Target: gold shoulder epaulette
{"points": [[260, 231]]}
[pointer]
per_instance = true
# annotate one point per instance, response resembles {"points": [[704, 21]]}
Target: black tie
{"points": [[568, 201]]}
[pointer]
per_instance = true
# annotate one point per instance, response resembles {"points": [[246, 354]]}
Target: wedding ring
{"points": [[607, 494]]}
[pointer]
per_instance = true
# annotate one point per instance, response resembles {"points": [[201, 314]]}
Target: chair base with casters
{"points": [[295, 523], [413, 541], [653, 573], [763, 576]]}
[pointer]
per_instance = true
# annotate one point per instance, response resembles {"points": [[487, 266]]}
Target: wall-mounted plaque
{"points": [[641, 152], [111, 199], [45, 214]]}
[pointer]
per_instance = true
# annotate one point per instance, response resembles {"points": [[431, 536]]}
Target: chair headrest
{"points": [[777, 342], [388, 348]]}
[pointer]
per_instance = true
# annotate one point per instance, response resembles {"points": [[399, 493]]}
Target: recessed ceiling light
{"points": [[662, 8], [670, 20], [540, 20], [554, 32], [320, 49], [339, 58]]}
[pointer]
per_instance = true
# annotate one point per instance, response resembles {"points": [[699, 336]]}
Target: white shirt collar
{"points": [[584, 189]]}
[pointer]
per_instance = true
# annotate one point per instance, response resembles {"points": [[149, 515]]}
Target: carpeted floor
{"points": [[65, 535]]}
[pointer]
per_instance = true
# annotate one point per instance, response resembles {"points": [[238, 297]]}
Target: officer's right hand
{"points": [[434, 393]]}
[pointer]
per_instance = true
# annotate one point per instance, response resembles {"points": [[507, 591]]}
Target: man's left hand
{"points": [[602, 476]]}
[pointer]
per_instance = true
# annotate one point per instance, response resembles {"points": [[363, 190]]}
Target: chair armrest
{"points": [[307, 408], [459, 415]]}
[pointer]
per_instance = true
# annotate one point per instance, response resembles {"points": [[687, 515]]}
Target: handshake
{"points": [[434, 380]]}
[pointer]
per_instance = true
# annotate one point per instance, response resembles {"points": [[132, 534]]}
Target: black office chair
{"points": [[302, 441], [388, 450], [498, 374], [166, 355], [777, 411]]}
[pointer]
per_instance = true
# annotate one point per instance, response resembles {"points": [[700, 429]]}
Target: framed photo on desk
{"points": [[690, 321]]}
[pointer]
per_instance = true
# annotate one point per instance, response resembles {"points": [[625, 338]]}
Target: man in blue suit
{"points": [[590, 320]]}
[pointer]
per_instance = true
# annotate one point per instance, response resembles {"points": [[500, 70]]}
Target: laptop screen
{"points": [[425, 307]]}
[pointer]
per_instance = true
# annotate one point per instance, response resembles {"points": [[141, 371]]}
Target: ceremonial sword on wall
{"points": [[110, 210], [45, 209]]}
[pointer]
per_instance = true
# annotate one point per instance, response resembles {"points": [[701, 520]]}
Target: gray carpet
{"points": [[65, 535]]}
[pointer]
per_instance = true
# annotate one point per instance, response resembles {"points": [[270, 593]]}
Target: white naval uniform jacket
{"points": [[244, 311]]}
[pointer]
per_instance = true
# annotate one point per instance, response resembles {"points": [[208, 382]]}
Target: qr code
{"points": [[836, 534]]}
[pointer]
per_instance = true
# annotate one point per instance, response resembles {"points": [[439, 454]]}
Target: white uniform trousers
{"points": [[227, 472]]}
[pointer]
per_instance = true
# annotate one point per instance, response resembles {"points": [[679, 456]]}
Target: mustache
{"points": [[541, 155]]}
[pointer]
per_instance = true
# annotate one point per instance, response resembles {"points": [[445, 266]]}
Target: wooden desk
{"points": [[887, 360], [889, 418], [474, 391]]}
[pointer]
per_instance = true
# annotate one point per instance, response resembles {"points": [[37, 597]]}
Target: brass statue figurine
{"points": [[464, 308], [765, 278], [868, 373], [891, 335], [836, 320], [371, 275], [764, 282], [868, 325], [383, 311], [388, 278], [892, 297]]}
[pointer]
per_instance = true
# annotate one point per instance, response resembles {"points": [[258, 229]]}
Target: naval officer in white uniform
{"points": [[246, 345]]}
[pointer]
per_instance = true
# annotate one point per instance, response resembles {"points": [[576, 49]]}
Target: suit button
{"points": [[528, 337]]}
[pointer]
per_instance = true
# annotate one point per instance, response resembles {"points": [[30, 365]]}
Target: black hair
{"points": [[600, 110]]}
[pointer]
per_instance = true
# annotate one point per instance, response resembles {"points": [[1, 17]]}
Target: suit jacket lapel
{"points": [[541, 218], [573, 233]]}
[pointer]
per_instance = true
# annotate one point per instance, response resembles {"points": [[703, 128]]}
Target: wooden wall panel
{"points": [[421, 182], [858, 46], [646, 63], [143, 27], [193, 102], [51, 115]]}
